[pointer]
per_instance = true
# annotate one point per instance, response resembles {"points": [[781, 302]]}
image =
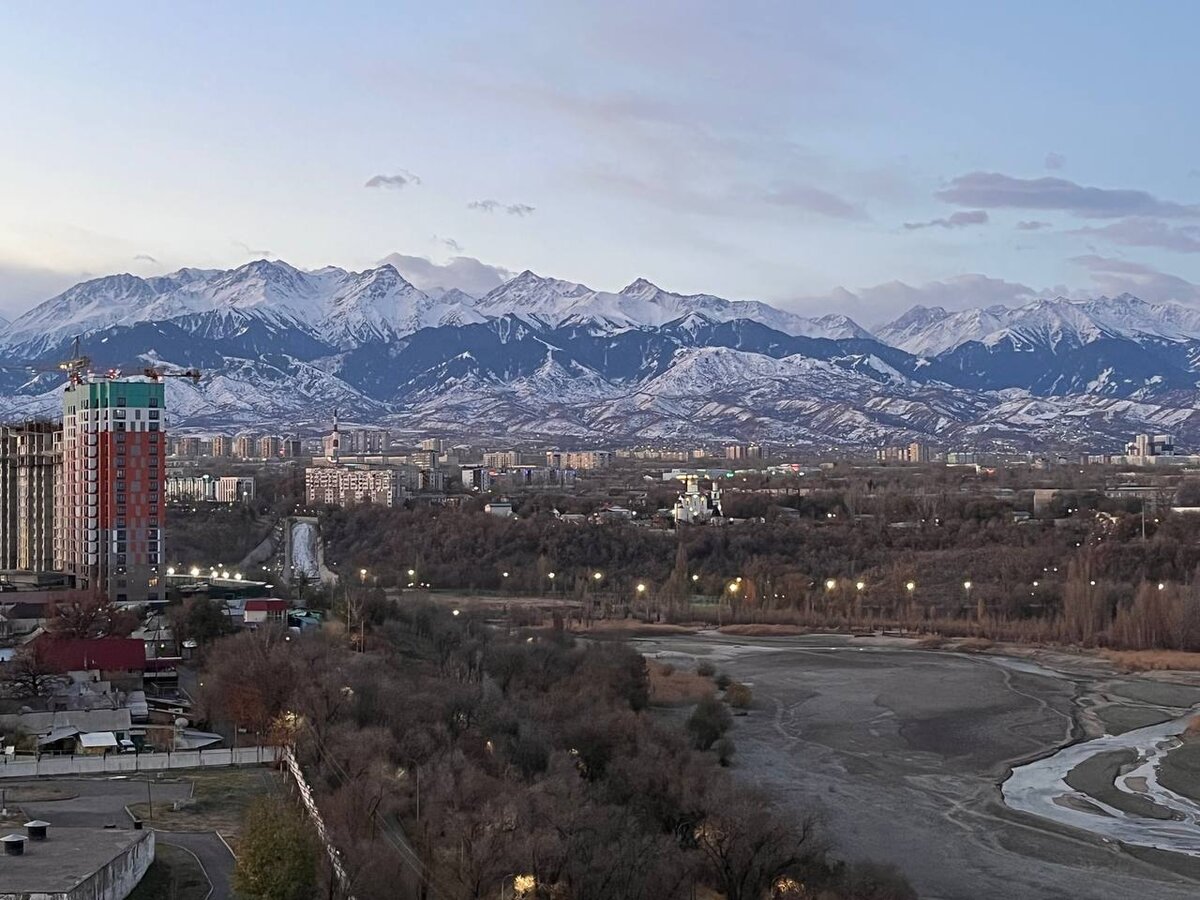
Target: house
{"points": [[265, 611], [59, 732], [501, 508]]}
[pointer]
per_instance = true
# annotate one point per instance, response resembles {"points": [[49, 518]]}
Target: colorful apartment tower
{"points": [[109, 527]]}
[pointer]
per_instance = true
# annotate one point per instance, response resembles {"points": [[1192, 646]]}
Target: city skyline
{"points": [[776, 152]]}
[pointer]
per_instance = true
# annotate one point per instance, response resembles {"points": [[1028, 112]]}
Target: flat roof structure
{"points": [[70, 856]]}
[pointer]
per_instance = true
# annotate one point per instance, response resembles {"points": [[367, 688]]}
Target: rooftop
{"points": [[68, 857]]}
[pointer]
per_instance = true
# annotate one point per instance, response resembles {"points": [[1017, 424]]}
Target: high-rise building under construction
{"points": [[109, 526], [30, 466]]}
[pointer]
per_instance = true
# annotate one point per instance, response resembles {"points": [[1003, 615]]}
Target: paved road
{"points": [[214, 856]]}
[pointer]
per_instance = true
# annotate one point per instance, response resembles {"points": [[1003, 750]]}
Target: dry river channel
{"points": [[980, 776]]}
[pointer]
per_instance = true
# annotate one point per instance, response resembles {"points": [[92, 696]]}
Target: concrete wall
{"points": [[116, 880], [113, 881]]}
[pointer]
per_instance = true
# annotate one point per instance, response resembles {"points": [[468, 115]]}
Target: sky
{"points": [[850, 157]]}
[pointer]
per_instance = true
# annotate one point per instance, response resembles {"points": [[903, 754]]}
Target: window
{"points": [[154, 426], [119, 426], [154, 413], [153, 402], [120, 401]]}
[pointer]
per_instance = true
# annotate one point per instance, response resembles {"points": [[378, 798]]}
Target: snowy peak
{"points": [[1041, 324]]}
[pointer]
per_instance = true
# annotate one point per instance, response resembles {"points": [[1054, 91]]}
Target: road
{"points": [[903, 751]]}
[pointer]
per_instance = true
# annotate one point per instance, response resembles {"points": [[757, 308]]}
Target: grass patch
{"points": [[675, 687], [218, 802], [1154, 660], [175, 873]]}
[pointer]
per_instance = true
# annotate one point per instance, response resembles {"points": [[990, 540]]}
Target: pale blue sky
{"points": [[759, 150]]}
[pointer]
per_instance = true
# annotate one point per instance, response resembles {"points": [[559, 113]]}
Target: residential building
{"points": [[435, 445], [245, 446], [331, 444], [109, 535], [293, 447], [269, 447], [501, 508], [579, 459], [265, 611], [916, 452], [347, 485], [366, 442], [750, 451], [188, 447], [234, 489], [30, 465], [190, 488], [502, 459], [221, 445], [476, 478]]}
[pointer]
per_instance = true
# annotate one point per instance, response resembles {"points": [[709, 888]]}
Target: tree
{"points": [[199, 619], [748, 847], [28, 673], [94, 617], [277, 857], [708, 722]]}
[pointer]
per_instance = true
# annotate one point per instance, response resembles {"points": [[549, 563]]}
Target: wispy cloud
{"points": [[393, 182], [449, 243], [463, 272], [1139, 232], [1122, 276], [1032, 225], [814, 199], [513, 209], [145, 257], [250, 251], [992, 190], [880, 302], [962, 219], [1055, 160]]}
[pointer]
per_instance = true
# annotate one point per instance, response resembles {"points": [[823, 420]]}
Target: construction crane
{"points": [[76, 367], [158, 373]]}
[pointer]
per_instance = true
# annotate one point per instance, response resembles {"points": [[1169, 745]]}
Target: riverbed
{"points": [[904, 753]]}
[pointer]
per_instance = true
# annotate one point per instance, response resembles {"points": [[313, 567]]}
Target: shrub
{"points": [[738, 696], [975, 645], [667, 670], [723, 680], [708, 722], [725, 750], [705, 668]]}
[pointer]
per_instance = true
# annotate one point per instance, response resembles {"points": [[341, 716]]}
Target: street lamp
{"points": [[597, 576], [910, 587], [860, 585], [170, 571], [695, 578], [362, 576], [830, 584], [641, 588]]}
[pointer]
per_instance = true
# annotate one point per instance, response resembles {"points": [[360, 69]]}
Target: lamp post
{"points": [[641, 594]]}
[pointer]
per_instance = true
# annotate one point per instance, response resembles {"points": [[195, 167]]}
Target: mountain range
{"points": [[544, 358]]}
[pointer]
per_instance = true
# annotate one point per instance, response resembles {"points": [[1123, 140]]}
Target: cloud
{"points": [[1139, 232], [992, 190], [145, 257], [955, 220], [393, 182], [881, 302], [513, 209], [463, 272], [449, 243], [1121, 276], [1032, 225], [250, 251], [813, 199], [1055, 160], [22, 286]]}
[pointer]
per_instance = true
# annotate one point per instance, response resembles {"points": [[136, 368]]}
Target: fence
{"points": [[310, 804], [138, 762]]}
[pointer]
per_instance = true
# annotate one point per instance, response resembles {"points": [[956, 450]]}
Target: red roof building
{"points": [[105, 654]]}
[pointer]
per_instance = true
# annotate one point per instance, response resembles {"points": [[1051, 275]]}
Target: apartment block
{"points": [[108, 535], [349, 485], [30, 465]]}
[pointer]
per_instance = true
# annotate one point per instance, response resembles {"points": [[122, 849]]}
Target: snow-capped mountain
{"points": [[281, 347], [929, 331]]}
